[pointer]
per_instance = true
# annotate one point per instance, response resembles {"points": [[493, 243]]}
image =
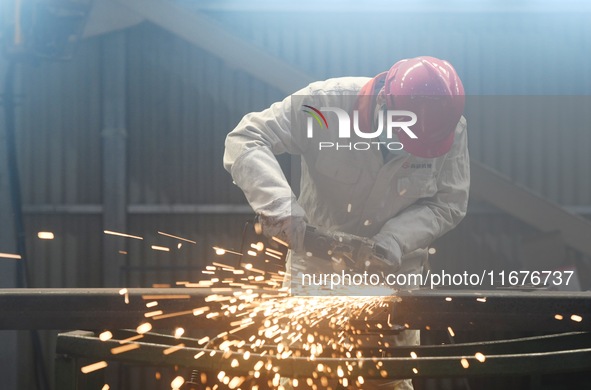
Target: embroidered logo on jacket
{"points": [[407, 165]]}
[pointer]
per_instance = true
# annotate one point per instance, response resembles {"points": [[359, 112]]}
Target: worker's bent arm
{"points": [[420, 224], [249, 157]]}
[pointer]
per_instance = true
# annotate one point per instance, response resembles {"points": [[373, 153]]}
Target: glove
{"points": [[389, 247], [288, 226]]}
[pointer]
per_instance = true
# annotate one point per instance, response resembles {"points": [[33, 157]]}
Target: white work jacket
{"points": [[415, 200]]}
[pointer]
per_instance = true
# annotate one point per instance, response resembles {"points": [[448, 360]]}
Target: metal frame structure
{"points": [[569, 352], [99, 309], [105, 308]]}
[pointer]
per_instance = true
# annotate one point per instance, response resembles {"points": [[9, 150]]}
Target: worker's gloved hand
{"points": [[391, 251], [288, 226]]}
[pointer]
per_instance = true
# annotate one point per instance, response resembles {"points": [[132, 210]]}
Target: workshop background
{"points": [[122, 108]]}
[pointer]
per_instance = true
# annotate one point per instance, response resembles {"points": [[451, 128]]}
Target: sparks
{"points": [[280, 241], [171, 296], [124, 348], [170, 315], [198, 355], [221, 251], [106, 335], [93, 367], [46, 235], [125, 293], [275, 320], [177, 382], [122, 235], [173, 349], [130, 339], [480, 357], [451, 331], [259, 246], [178, 238], [144, 328]]}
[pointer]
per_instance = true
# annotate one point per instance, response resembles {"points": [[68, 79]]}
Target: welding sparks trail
{"points": [[124, 348], [106, 335], [278, 326], [122, 235], [451, 331], [178, 332], [177, 382], [45, 235], [267, 325], [173, 349], [125, 293], [178, 238], [160, 248], [221, 251], [144, 328], [93, 367], [130, 339]]}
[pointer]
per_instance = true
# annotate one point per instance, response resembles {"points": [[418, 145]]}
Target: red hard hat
{"points": [[432, 89]]}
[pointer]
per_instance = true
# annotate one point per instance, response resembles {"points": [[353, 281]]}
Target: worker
{"points": [[397, 172]]}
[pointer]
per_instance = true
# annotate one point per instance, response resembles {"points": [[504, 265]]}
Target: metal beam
{"points": [[205, 33], [140, 209], [191, 209], [106, 309], [76, 209], [114, 150], [8, 268], [224, 208], [491, 186], [432, 361], [107, 16], [391, 6]]}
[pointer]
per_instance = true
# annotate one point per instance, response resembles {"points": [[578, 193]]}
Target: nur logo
{"points": [[394, 119], [316, 114]]}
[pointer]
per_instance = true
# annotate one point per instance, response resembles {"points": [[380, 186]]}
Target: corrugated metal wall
{"points": [[59, 129], [495, 53], [182, 102], [541, 142]]}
